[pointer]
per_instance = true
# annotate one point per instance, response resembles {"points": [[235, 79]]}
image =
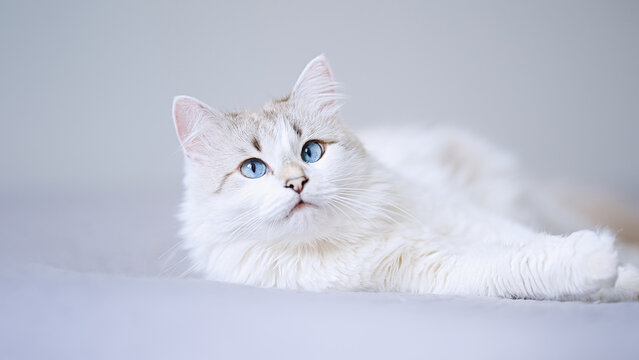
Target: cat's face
{"points": [[291, 169]]}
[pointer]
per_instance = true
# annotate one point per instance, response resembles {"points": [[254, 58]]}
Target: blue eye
{"points": [[312, 151], [253, 168]]}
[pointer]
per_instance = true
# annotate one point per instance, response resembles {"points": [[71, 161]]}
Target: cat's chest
{"points": [[314, 268]]}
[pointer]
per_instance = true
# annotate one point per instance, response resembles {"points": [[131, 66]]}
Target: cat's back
{"points": [[437, 154], [448, 161]]}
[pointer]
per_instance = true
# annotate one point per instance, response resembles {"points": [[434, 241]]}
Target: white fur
{"points": [[409, 210]]}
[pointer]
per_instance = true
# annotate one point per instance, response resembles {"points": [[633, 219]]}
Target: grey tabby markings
{"points": [[256, 144], [219, 188]]}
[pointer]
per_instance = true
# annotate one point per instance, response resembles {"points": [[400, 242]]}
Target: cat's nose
{"points": [[297, 184]]}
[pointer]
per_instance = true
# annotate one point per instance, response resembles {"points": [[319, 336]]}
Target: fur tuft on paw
{"points": [[628, 281], [596, 259]]}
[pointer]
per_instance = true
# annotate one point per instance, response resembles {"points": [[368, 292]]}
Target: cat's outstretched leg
{"points": [[576, 266]]}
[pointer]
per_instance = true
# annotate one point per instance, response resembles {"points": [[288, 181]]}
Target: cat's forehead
{"points": [[279, 119], [247, 124]]}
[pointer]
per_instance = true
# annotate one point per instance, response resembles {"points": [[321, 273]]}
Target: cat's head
{"points": [[291, 168]]}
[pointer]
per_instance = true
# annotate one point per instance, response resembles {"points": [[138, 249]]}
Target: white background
{"points": [[86, 87]]}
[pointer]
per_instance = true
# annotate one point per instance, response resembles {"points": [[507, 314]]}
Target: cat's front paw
{"points": [[626, 288], [595, 260]]}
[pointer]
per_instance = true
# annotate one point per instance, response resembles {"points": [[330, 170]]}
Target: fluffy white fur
{"points": [[407, 210]]}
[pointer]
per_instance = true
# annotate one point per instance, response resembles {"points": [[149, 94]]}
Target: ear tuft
{"points": [[316, 88], [192, 118]]}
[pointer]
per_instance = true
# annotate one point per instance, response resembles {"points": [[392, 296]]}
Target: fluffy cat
{"points": [[288, 197]]}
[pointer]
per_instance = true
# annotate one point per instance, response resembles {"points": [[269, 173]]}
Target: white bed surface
{"points": [[83, 277]]}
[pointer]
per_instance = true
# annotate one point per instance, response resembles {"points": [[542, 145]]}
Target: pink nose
{"points": [[297, 184]]}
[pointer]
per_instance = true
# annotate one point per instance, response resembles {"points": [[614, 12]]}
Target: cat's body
{"points": [[289, 198]]}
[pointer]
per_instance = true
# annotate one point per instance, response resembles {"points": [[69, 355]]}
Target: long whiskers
{"points": [[168, 265], [387, 201], [360, 207]]}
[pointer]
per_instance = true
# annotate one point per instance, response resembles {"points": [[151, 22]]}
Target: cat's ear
{"points": [[194, 121], [316, 89]]}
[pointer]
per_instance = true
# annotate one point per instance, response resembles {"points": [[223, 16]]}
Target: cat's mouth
{"points": [[301, 205]]}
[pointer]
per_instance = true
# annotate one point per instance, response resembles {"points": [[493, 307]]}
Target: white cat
{"points": [[288, 197]]}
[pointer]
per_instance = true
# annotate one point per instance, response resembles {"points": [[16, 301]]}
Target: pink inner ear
{"points": [[322, 75], [181, 108], [316, 87], [316, 78], [188, 114]]}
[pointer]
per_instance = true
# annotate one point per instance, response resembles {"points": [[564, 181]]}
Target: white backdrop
{"points": [[86, 87]]}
